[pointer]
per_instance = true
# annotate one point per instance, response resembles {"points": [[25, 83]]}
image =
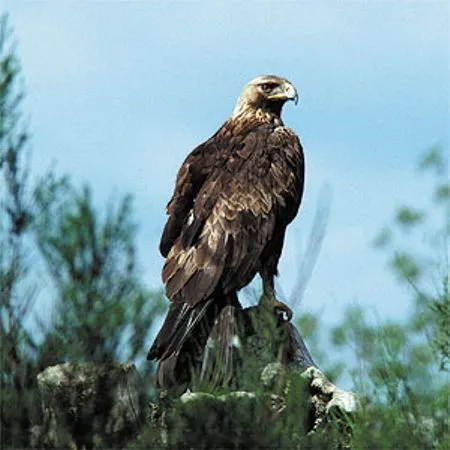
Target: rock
{"points": [[88, 406]]}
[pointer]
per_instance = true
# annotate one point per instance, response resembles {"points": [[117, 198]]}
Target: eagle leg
{"points": [[270, 302]]}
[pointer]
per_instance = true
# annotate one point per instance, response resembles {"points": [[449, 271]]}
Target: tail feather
{"points": [[180, 343], [219, 360], [179, 323]]}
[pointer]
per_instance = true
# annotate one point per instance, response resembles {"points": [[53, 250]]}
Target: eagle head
{"points": [[267, 93]]}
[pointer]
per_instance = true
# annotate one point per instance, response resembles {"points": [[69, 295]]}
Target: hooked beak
{"points": [[290, 92], [286, 91]]}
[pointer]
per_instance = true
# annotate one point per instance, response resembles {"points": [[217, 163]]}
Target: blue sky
{"points": [[118, 94]]}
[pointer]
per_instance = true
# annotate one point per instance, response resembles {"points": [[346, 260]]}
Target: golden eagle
{"points": [[234, 196]]}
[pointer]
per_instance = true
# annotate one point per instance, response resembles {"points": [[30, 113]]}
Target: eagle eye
{"points": [[267, 87]]}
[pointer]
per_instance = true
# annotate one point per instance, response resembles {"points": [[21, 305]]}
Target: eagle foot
{"points": [[281, 310], [284, 313]]}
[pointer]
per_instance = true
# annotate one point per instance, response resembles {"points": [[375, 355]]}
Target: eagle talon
{"points": [[281, 310]]}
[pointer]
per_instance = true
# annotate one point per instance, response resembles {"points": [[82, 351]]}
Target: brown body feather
{"points": [[251, 191], [234, 196]]}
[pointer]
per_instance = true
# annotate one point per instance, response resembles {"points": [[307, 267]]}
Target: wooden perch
{"points": [[252, 366]]}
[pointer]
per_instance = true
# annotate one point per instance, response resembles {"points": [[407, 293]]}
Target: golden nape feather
{"points": [[234, 196]]}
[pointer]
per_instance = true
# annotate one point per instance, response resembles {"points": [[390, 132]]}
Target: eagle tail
{"points": [[180, 344], [179, 323], [222, 348]]}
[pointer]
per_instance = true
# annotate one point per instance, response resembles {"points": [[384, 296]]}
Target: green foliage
{"points": [[405, 266], [427, 274], [236, 419], [103, 312], [442, 193], [397, 374], [246, 417], [408, 217], [17, 292], [434, 160], [440, 335], [255, 419], [401, 366], [93, 265]]}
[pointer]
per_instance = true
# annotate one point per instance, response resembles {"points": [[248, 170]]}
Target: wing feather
{"points": [[190, 179], [235, 214]]}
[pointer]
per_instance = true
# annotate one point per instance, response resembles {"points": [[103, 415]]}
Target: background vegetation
{"points": [[53, 239]]}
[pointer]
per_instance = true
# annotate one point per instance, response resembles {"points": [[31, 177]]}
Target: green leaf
{"points": [[433, 159], [383, 238], [308, 324], [442, 193], [405, 266], [408, 217], [339, 336]]}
